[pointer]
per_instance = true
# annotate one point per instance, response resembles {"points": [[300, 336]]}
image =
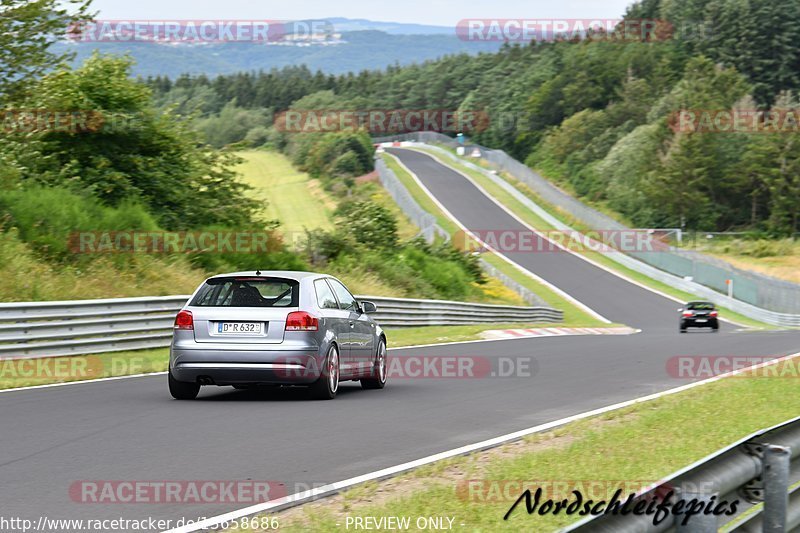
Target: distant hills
{"points": [[394, 28], [352, 46]]}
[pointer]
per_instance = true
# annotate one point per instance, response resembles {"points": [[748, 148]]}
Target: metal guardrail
{"points": [[760, 468], [402, 312], [528, 295], [639, 261], [36, 329], [49, 329], [425, 221]]}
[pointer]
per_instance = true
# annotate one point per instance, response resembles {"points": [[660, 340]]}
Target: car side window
{"points": [[346, 300], [325, 298]]}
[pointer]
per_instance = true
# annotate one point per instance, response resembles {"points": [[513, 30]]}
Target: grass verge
{"points": [[630, 447], [290, 196], [49, 370], [520, 210], [29, 278], [777, 258], [15, 373]]}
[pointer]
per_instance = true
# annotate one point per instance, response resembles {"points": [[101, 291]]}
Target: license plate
{"points": [[240, 328], [701, 320]]}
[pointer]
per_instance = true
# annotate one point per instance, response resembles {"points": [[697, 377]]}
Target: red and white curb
{"points": [[554, 332]]}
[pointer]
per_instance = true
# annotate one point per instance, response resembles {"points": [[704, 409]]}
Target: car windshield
{"points": [[700, 306], [247, 292]]}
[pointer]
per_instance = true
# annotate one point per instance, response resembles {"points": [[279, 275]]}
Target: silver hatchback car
{"points": [[284, 328]]}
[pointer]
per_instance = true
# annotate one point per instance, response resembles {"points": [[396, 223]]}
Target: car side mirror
{"points": [[368, 307]]}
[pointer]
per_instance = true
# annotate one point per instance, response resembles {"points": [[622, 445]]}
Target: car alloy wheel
{"points": [[381, 364], [333, 370], [377, 379]]}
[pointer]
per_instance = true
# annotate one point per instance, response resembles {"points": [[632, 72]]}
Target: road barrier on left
{"points": [[78, 327]]}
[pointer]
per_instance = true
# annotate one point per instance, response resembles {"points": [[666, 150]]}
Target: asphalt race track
{"points": [[130, 429], [609, 295]]}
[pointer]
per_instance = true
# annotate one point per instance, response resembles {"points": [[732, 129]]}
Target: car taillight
{"points": [[301, 321], [687, 313], [184, 320], [714, 314]]}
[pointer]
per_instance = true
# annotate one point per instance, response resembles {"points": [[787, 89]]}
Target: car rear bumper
{"points": [[693, 323], [229, 367]]}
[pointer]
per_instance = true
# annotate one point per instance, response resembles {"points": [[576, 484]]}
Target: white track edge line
{"points": [[81, 381], [164, 372], [332, 488]]}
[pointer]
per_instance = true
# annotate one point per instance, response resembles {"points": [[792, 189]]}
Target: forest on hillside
{"points": [[596, 116]]}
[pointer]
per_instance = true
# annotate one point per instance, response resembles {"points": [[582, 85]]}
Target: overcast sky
{"points": [[437, 12]]}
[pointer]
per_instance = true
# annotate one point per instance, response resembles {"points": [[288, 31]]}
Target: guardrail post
{"points": [[775, 473], [699, 523]]}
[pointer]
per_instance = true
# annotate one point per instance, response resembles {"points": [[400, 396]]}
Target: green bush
{"points": [[332, 155], [235, 124], [414, 269], [347, 164], [257, 137], [218, 262], [323, 246], [272, 256], [448, 278], [131, 151], [48, 218], [369, 223]]}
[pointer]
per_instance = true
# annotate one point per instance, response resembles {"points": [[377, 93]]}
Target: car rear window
{"points": [[700, 306], [248, 292]]}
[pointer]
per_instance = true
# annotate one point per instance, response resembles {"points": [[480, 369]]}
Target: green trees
{"points": [[771, 168], [592, 115], [760, 38], [85, 150], [233, 124], [335, 158], [131, 152], [27, 33], [683, 185], [627, 169]]}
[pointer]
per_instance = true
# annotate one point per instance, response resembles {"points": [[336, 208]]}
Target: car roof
{"points": [[289, 274]]}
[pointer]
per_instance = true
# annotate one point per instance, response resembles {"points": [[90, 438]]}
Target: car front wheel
{"points": [[378, 375]]}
